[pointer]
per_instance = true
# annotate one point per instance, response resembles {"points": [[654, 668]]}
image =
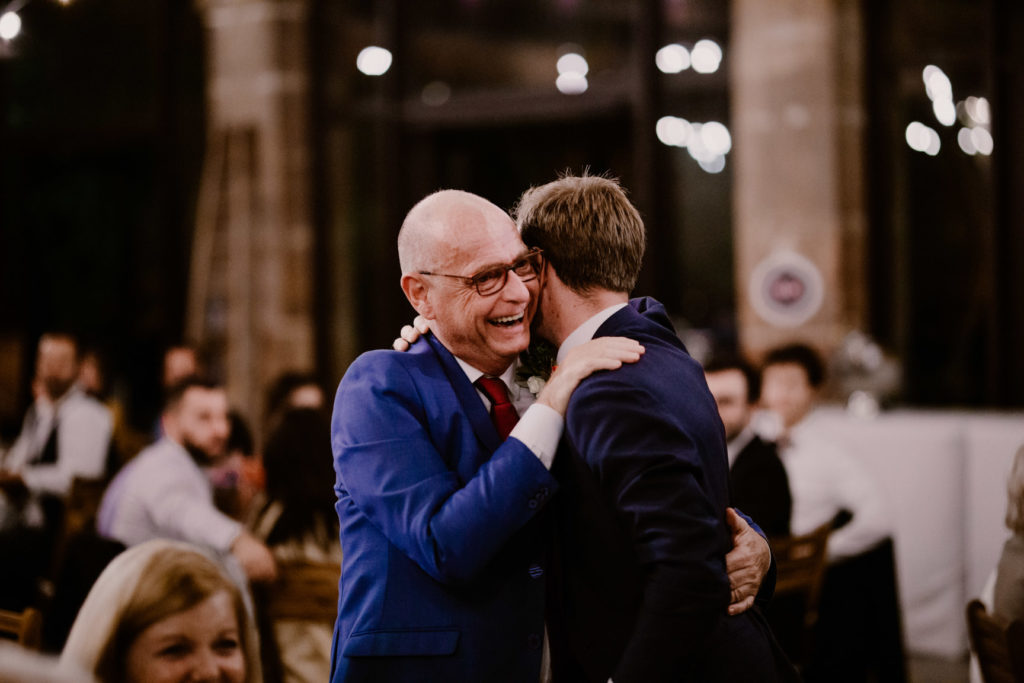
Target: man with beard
{"points": [[164, 493]]}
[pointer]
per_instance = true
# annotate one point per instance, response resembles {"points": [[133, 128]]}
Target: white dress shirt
{"points": [[163, 493], [823, 479], [539, 426], [586, 331], [84, 426]]}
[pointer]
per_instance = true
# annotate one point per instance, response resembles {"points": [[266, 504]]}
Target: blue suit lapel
{"points": [[472, 406]]}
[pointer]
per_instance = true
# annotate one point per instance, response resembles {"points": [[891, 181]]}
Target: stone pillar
{"points": [[798, 118], [256, 196]]}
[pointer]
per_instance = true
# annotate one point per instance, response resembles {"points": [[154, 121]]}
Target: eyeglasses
{"points": [[492, 280]]}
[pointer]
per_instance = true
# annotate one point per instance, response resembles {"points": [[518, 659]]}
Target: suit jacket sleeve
{"points": [[386, 444], [655, 477]]}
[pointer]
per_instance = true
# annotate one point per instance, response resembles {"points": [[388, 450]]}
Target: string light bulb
{"points": [[10, 25]]}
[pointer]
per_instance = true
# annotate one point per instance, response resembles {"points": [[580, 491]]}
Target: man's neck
{"points": [[575, 309]]}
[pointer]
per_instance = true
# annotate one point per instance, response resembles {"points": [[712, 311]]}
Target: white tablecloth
{"points": [[944, 475]]}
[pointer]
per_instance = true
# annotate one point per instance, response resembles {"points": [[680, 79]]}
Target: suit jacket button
{"points": [[532, 504], [543, 493], [533, 641]]}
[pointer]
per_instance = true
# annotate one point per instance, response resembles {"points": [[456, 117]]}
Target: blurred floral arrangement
{"points": [[863, 376]]}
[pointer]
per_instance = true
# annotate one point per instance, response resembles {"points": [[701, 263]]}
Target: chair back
{"points": [[304, 590], [800, 563], [793, 612], [26, 628], [998, 643]]}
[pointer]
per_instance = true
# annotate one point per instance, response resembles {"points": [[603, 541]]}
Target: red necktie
{"points": [[503, 413]]}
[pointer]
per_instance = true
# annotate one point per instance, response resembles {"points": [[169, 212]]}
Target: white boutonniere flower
{"points": [[535, 366], [535, 383]]}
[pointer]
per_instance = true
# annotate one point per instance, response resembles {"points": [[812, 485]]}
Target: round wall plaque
{"points": [[786, 289]]}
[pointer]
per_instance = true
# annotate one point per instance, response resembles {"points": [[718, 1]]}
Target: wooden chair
{"points": [[998, 643], [83, 502], [800, 563], [26, 628], [303, 590]]}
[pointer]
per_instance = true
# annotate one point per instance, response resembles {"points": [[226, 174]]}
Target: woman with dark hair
{"points": [[298, 523]]}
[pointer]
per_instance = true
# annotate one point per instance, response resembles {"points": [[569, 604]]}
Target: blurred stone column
{"points": [[258, 181], [799, 205]]}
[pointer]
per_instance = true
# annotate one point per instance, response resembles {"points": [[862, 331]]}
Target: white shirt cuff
{"points": [[540, 429]]}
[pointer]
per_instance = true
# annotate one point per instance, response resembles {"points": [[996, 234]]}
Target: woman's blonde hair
{"points": [[142, 586], [1015, 495]]}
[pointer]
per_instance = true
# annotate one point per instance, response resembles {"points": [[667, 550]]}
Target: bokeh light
{"points": [[966, 141], [672, 59], [571, 83], [982, 140], [373, 60], [706, 56], [945, 112], [716, 137], [10, 25], [922, 138], [674, 131], [573, 62], [435, 93]]}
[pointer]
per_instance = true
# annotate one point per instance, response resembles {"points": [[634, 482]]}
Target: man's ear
{"points": [[418, 294], [549, 276]]}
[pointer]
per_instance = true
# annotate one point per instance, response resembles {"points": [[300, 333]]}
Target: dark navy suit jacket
{"points": [[639, 589], [442, 576], [760, 486]]}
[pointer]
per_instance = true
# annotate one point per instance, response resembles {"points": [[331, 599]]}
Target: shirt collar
{"points": [[739, 443], [473, 374], [586, 331]]}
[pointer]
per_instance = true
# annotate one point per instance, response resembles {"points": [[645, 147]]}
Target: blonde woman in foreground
{"points": [[165, 611]]}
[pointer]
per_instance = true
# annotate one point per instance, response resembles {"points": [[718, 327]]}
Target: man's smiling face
{"points": [[488, 332]]}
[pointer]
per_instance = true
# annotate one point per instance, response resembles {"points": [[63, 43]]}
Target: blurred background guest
{"points": [[164, 611], [293, 389], [1008, 599], [826, 482], [179, 362], [760, 486], [164, 492], [65, 435], [297, 521], [859, 630]]}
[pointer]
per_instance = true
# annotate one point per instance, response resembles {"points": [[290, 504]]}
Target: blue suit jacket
{"points": [[443, 559], [640, 590]]}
